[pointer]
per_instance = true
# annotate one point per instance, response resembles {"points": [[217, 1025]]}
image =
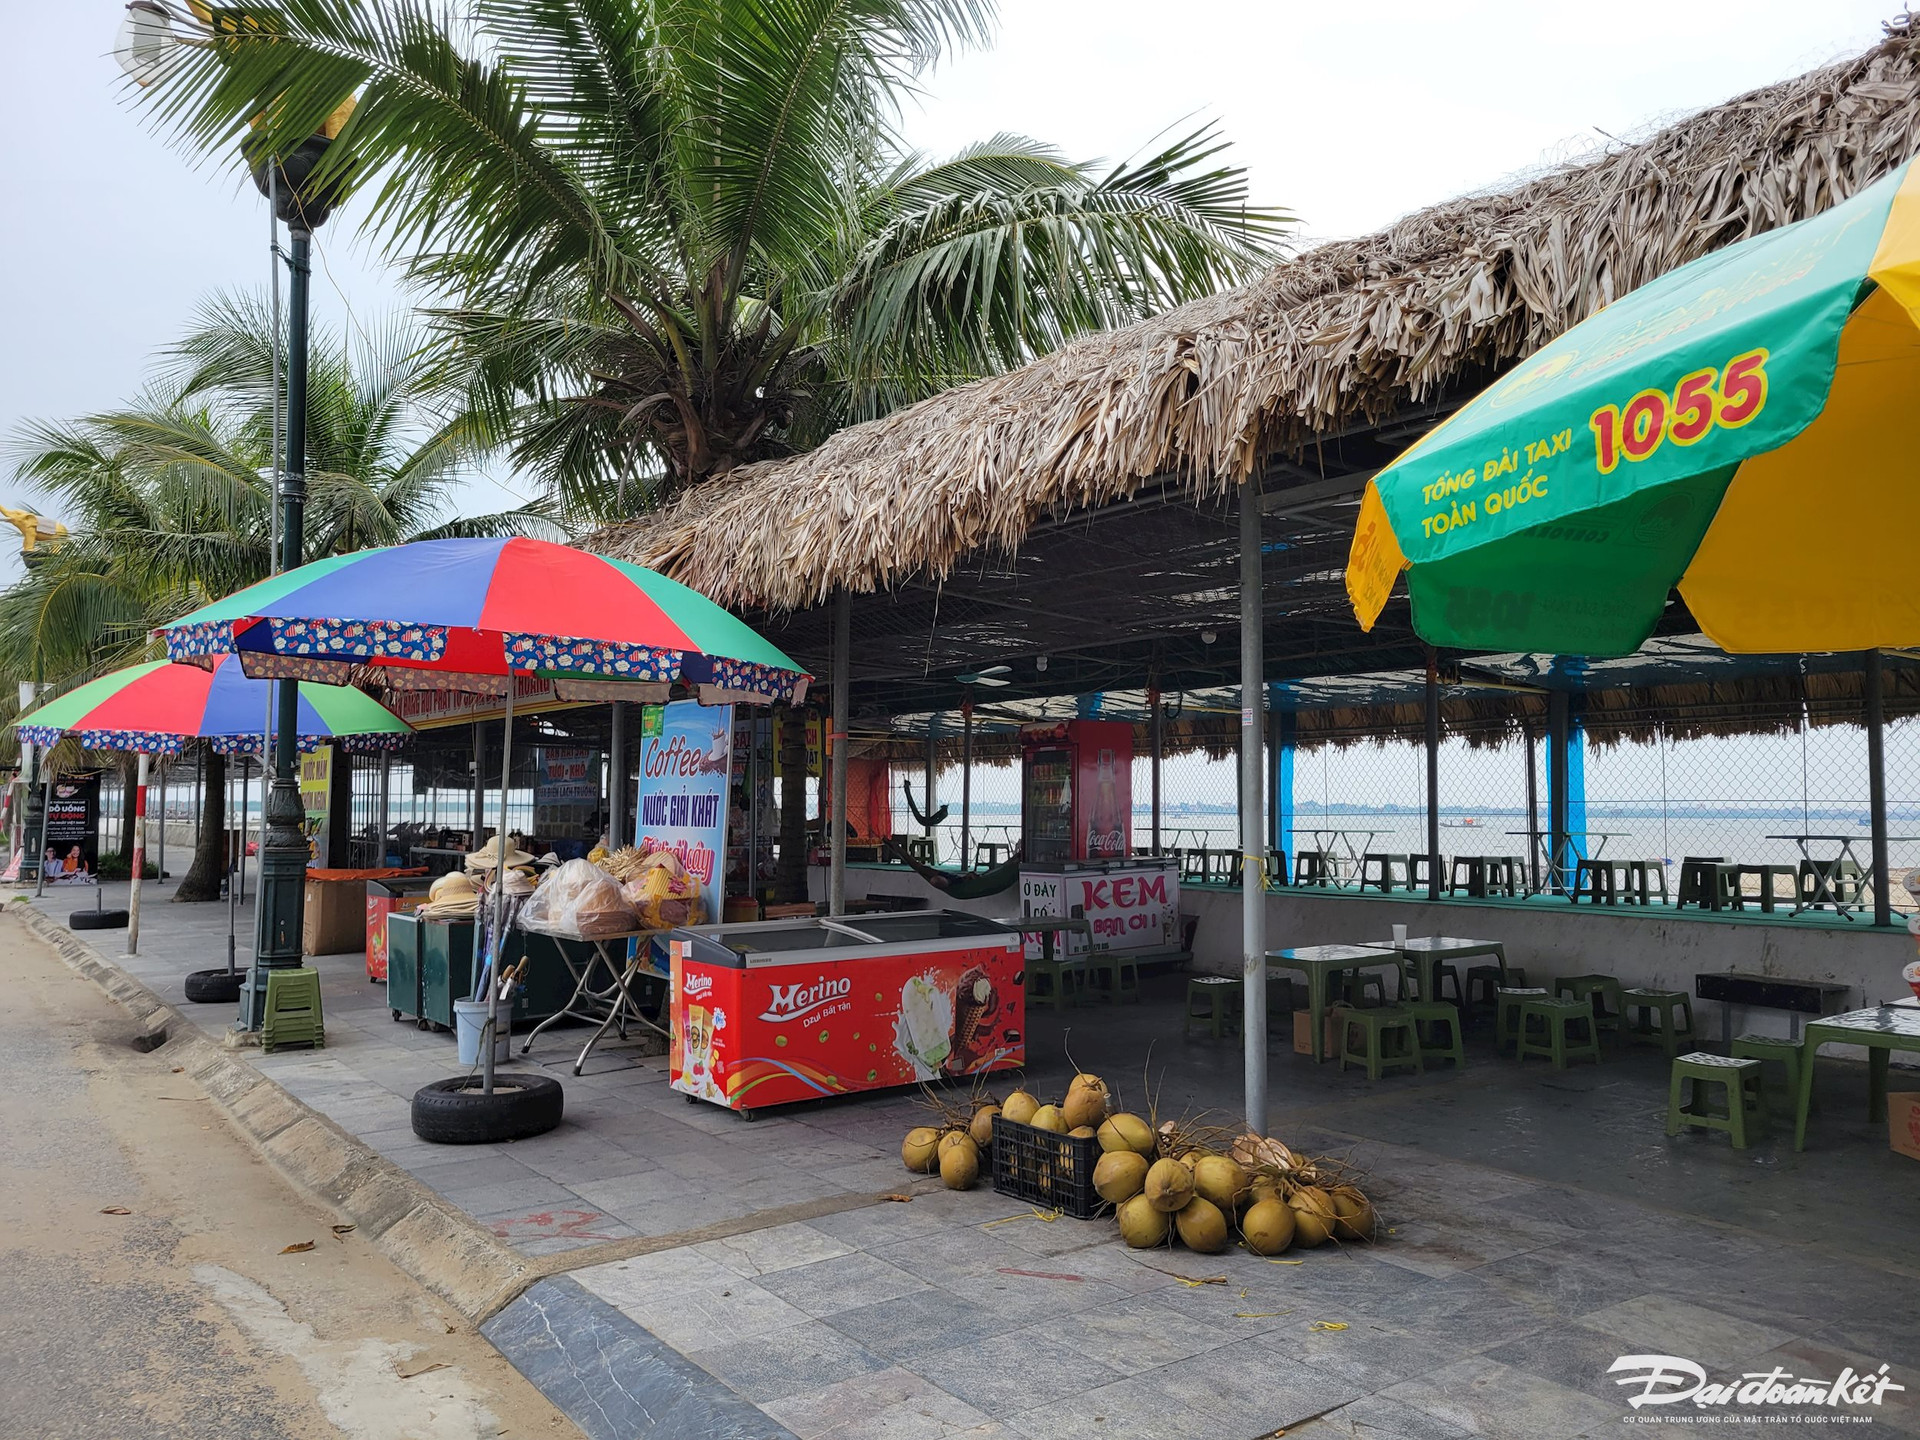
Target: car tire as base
{"points": [[456, 1112], [97, 920], [215, 987]]}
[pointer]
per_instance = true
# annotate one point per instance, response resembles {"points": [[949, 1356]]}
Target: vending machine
{"points": [[1077, 791]]}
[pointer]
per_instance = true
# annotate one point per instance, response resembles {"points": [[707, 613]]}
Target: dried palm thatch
{"points": [[1350, 333]]}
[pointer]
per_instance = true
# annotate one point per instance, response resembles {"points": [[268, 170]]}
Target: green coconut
{"points": [[1352, 1213], [1126, 1132], [920, 1151], [1142, 1225], [1048, 1117], [1268, 1227], [1019, 1107], [1086, 1102], [1312, 1215], [1168, 1185], [960, 1163], [1221, 1181], [1119, 1176], [1202, 1226], [981, 1126]]}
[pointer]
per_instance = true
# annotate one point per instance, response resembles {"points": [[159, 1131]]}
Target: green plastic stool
{"points": [[1771, 1047], [1658, 1017], [1114, 978], [1741, 1079], [1554, 1017], [1377, 1025], [1507, 1002], [1060, 976], [1484, 984], [1220, 997], [1355, 984], [293, 1016], [1432, 1013], [1602, 992]]}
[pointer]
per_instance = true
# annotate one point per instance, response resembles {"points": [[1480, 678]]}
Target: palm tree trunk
{"points": [[202, 880], [790, 878]]}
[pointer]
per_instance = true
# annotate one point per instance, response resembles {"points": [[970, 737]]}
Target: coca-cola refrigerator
{"points": [[1076, 798]]}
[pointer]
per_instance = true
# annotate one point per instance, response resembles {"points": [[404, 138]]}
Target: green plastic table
{"points": [[1425, 952], [1883, 1030], [1317, 962]]}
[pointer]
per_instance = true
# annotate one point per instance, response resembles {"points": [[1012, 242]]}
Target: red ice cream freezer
{"points": [[787, 1010]]}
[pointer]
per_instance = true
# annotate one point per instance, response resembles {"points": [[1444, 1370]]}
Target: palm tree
{"points": [[674, 236], [169, 500]]}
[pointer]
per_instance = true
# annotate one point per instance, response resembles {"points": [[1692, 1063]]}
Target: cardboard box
{"points": [[335, 917], [1303, 1034], [1903, 1122]]}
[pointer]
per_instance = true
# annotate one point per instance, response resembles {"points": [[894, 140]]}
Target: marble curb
{"points": [[612, 1376], [438, 1245]]}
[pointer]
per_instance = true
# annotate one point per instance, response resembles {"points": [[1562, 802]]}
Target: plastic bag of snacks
{"points": [[580, 899]]}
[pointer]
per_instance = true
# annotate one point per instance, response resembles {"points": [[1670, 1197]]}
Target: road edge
{"points": [[437, 1245]]}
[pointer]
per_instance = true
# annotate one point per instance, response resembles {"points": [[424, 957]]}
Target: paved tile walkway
{"points": [[1542, 1225]]}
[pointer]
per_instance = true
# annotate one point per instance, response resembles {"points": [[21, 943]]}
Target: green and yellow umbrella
{"points": [[1743, 428]]}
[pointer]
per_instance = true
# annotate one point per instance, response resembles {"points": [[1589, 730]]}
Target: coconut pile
{"points": [[1200, 1184], [955, 1148]]}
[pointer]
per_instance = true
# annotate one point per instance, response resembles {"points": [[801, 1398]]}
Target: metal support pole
{"points": [[139, 856], [1253, 807], [161, 867], [931, 779], [40, 837], [1559, 723], [497, 951], [479, 785], [1877, 787], [966, 782], [283, 847], [1156, 734], [1533, 813], [1433, 775], [619, 824], [226, 862], [386, 815], [754, 718], [842, 689]]}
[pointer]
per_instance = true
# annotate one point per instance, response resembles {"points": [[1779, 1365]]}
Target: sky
{"points": [[1348, 118]]}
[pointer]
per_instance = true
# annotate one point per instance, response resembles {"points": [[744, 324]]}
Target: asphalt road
{"points": [[182, 1318]]}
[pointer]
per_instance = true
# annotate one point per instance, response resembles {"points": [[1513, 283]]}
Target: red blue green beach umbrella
{"points": [[155, 708], [469, 608]]}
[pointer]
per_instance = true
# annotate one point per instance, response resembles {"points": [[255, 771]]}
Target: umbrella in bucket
{"points": [[1739, 428], [155, 708], [469, 615]]}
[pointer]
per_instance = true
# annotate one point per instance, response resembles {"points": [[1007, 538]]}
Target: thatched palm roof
{"points": [[1349, 333]]}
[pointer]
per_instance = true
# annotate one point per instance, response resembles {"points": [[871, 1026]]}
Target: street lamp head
{"points": [[146, 41]]}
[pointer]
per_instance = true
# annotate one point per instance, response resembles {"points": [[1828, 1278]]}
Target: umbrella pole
{"points": [[499, 950], [226, 858], [139, 856]]}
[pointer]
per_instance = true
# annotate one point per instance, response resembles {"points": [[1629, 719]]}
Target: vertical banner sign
{"points": [[73, 831], [686, 760], [316, 785]]}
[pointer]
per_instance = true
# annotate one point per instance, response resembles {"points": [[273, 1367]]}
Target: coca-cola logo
{"points": [[1099, 840], [796, 1002]]}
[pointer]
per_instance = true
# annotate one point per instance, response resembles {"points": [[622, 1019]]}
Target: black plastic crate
{"points": [[1042, 1168]]}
